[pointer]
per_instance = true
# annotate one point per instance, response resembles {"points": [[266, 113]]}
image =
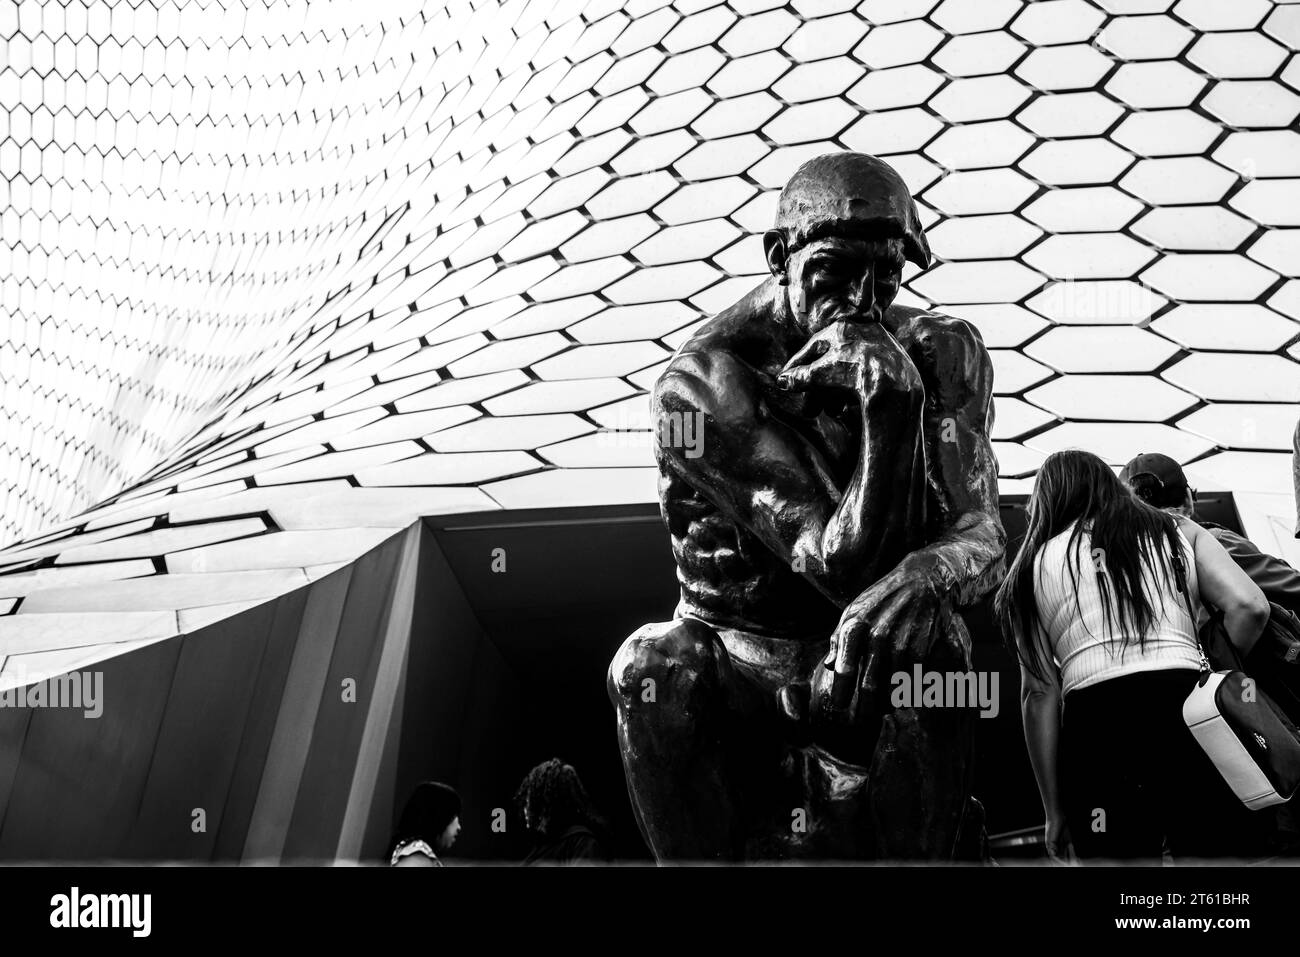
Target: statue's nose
{"points": [[862, 292]]}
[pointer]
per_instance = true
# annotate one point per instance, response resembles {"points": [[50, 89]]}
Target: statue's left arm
{"points": [[966, 560]]}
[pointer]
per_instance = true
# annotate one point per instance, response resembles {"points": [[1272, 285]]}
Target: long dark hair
{"points": [[430, 808], [1074, 486], [551, 799]]}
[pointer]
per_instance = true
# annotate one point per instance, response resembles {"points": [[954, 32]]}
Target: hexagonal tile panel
{"points": [[1070, 114], [1182, 179], [893, 131], [1271, 202], [1166, 133], [1093, 302], [1117, 442], [897, 44], [404, 270], [1256, 425], [1101, 349], [1154, 85], [1075, 162], [1208, 15], [1279, 250], [980, 145], [954, 16], [1193, 227], [1237, 55], [1089, 256], [1226, 327], [1057, 21], [992, 191], [1002, 326], [979, 54], [1083, 209], [1077, 66], [1253, 103], [1016, 419], [1244, 472], [1234, 376], [1145, 38], [1195, 276], [981, 237], [1112, 398], [1261, 153], [977, 282]]}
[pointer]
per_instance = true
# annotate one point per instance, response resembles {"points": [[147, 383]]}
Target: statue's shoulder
{"points": [[704, 374], [709, 363], [911, 325]]}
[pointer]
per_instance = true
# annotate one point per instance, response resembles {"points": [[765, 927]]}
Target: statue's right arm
{"points": [[756, 469]]}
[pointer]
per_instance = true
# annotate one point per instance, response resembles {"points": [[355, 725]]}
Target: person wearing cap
{"points": [[429, 824], [841, 507], [1159, 481]]}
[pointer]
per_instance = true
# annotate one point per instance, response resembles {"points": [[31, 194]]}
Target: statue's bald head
{"points": [[850, 195]]}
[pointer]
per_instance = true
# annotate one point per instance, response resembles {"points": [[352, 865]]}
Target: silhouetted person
{"points": [[429, 824], [561, 820]]}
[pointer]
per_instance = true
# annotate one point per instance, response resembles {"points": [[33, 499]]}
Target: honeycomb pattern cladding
{"points": [[278, 277]]}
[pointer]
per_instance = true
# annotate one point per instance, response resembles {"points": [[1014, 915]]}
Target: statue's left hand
{"points": [[888, 628]]}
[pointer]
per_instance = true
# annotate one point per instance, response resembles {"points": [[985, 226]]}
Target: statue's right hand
{"points": [[861, 358]]}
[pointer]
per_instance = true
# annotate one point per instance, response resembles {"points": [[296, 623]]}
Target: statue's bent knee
{"points": [[678, 660]]}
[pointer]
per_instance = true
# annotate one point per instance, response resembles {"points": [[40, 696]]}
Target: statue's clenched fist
{"points": [[862, 358]]}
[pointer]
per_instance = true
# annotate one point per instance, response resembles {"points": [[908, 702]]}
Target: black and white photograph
{"points": [[762, 438]]}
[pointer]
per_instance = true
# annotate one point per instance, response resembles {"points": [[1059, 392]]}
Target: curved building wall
{"points": [[282, 278]]}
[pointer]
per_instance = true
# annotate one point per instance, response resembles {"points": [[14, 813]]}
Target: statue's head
{"points": [[845, 225]]}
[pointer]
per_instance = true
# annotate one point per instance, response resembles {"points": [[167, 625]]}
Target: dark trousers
{"points": [[1135, 782]]}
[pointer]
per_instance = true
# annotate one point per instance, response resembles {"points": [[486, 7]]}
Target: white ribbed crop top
{"points": [[1084, 650]]}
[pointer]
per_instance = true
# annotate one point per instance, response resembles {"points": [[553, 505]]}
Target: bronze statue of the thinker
{"points": [[837, 512]]}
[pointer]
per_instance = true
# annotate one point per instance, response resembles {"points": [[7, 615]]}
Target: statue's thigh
{"points": [[921, 771], [758, 748], [909, 803]]}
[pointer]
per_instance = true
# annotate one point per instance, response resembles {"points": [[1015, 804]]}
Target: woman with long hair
{"points": [[429, 824], [558, 815], [1101, 605]]}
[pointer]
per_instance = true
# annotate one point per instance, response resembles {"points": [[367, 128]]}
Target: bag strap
{"points": [[1205, 662], [1206, 668]]}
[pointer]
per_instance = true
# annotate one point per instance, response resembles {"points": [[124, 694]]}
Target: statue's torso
{"points": [[729, 577]]}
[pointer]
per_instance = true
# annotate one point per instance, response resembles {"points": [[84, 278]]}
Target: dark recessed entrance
{"points": [[521, 655]]}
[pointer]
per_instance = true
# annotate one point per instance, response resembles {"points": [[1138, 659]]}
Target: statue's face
{"points": [[843, 279]]}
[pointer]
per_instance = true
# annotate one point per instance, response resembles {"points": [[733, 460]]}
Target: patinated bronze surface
{"points": [[838, 511]]}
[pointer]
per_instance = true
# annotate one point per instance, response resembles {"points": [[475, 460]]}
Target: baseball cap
{"points": [[1167, 472]]}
